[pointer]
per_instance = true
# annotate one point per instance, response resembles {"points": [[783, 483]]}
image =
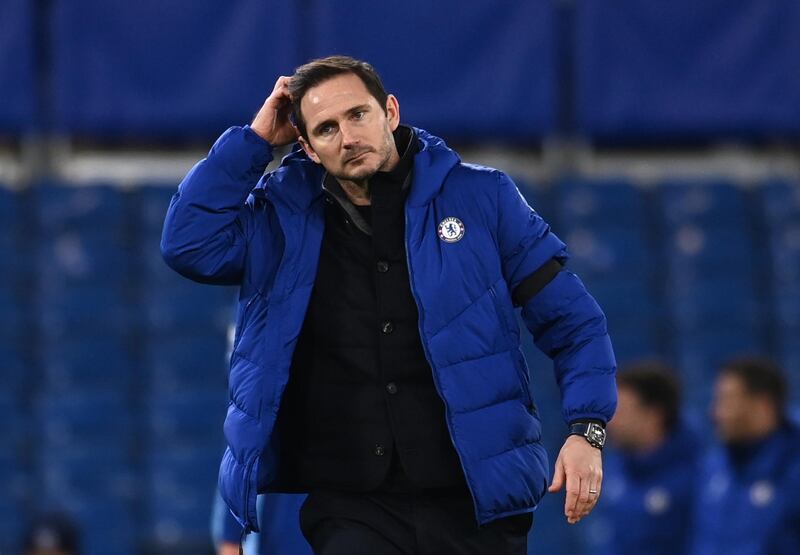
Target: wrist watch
{"points": [[592, 432]]}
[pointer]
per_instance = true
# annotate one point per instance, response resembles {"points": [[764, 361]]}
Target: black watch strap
{"points": [[591, 431]]}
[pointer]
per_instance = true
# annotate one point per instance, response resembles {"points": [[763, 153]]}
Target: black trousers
{"points": [[337, 523]]}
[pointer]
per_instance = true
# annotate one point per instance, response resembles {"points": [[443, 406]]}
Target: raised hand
{"points": [[272, 122]]}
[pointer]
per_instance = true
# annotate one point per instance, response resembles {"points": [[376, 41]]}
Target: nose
{"points": [[349, 139]]}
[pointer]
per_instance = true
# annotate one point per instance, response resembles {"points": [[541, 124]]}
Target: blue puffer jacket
{"points": [[228, 225]]}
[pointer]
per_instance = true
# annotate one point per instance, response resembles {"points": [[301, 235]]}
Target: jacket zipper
{"points": [[430, 363]]}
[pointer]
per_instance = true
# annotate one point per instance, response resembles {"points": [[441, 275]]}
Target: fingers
{"points": [[558, 477], [573, 497], [280, 93], [282, 84], [587, 494]]}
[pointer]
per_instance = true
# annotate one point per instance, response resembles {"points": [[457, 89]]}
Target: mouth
{"points": [[356, 157]]}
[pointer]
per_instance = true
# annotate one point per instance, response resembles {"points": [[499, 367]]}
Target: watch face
{"points": [[596, 434]]}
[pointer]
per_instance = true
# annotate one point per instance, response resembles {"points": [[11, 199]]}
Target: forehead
{"points": [[334, 96], [628, 396], [730, 384]]}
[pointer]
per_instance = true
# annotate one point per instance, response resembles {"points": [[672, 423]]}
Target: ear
{"points": [[308, 149], [392, 111]]}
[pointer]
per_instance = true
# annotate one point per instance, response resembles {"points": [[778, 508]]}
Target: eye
{"points": [[326, 130], [359, 115]]}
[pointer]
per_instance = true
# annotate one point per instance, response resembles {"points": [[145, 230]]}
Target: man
{"points": [[377, 362], [649, 477], [749, 501]]}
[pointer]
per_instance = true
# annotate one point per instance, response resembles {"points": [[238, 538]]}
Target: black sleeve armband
{"points": [[531, 285]]}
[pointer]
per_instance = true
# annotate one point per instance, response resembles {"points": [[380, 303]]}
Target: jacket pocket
{"points": [[241, 320], [502, 319], [523, 373]]}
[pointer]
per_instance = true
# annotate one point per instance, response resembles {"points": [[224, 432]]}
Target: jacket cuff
{"points": [[242, 153]]}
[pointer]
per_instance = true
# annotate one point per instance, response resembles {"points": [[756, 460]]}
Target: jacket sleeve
{"points": [[564, 319], [209, 219]]}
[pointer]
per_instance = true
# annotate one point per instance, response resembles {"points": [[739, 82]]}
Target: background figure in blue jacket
{"points": [[749, 495], [377, 362], [280, 530], [650, 471]]}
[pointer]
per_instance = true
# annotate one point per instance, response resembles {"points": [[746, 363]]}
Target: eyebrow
{"points": [[359, 108]]}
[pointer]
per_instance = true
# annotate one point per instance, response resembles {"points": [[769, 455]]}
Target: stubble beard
{"points": [[360, 177]]}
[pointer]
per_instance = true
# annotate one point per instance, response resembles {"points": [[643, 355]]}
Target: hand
{"points": [[581, 465], [272, 121], [228, 548]]}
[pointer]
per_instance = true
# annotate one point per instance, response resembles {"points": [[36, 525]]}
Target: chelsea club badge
{"points": [[451, 230]]}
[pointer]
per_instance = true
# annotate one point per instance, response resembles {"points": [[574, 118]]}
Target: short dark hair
{"points": [[760, 376], [317, 71], [656, 385]]}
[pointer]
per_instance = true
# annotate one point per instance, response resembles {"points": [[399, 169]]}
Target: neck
{"points": [[357, 191]]}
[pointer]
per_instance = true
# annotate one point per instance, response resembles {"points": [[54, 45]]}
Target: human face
{"points": [[348, 131], [631, 420], [732, 408]]}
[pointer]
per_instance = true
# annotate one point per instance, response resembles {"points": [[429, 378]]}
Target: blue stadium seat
{"points": [[784, 244], [180, 495], [187, 361], [96, 210], [100, 361], [700, 353], [73, 259], [609, 251], [683, 69], [189, 306], [724, 300], [634, 340], [104, 307], [705, 204], [153, 203], [186, 419], [709, 250], [87, 472], [15, 481], [99, 420], [12, 522], [599, 204], [788, 356], [17, 233], [9, 224], [18, 73], [17, 372], [14, 424], [212, 69], [781, 202], [504, 50]]}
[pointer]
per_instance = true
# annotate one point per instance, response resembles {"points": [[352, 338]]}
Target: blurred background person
{"points": [[651, 468], [52, 534], [749, 489]]}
